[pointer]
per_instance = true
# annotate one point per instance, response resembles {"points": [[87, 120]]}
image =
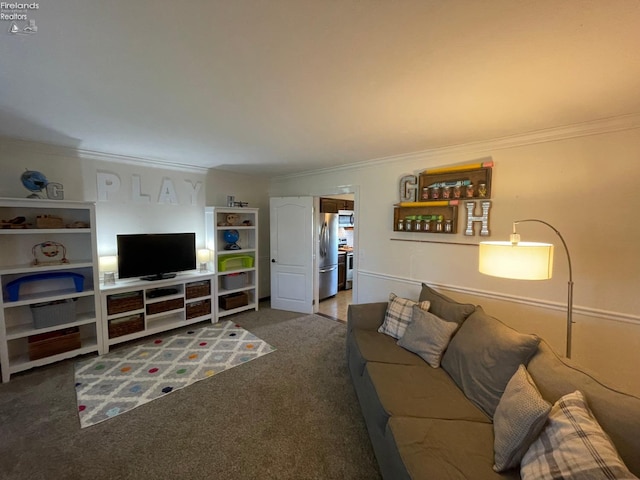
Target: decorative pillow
{"points": [[427, 336], [573, 445], [483, 356], [519, 419], [445, 307], [398, 315]]}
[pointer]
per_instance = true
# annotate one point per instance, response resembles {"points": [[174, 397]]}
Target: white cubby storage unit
{"points": [[236, 270], [137, 308], [60, 299]]}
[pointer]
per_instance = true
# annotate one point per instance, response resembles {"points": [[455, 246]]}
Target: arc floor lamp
{"points": [[526, 261]]}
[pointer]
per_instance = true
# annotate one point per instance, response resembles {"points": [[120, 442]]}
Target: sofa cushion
{"points": [[427, 336], [446, 449], [419, 391], [483, 356], [398, 315], [370, 346], [519, 419], [445, 307], [573, 445]]}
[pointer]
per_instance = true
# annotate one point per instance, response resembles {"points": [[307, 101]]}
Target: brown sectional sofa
{"points": [[422, 425]]}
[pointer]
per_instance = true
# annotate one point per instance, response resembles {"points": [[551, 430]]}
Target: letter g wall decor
{"points": [[429, 201]]}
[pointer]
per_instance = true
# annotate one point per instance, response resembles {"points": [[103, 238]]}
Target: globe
{"points": [[231, 236], [33, 181]]}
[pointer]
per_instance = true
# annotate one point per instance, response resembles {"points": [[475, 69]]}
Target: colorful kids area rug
{"points": [[126, 378]]}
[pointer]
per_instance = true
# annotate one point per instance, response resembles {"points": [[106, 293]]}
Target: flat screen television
{"points": [[155, 256]]}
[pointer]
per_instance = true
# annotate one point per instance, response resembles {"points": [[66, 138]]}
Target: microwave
{"points": [[345, 218]]}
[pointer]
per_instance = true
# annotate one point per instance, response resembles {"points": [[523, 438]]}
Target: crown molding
{"points": [[596, 127], [61, 151]]}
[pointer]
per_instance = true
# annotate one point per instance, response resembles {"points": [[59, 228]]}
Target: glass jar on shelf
{"points": [[448, 226], [408, 223], [482, 190]]}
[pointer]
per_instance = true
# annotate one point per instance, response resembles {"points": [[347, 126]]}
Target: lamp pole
{"points": [[570, 284]]}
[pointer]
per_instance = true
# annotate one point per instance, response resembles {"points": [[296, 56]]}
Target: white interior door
{"points": [[292, 284]]}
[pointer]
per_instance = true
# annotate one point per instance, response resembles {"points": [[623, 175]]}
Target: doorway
{"points": [[344, 206]]}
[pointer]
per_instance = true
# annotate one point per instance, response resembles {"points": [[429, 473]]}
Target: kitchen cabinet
{"points": [[333, 205], [342, 270], [49, 307]]}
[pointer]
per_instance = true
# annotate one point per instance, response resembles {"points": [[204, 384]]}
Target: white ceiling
{"points": [[282, 86]]}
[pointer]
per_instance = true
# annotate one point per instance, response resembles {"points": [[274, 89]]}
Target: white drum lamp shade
{"points": [[520, 261]]}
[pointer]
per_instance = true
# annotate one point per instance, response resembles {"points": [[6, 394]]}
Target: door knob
{"points": [[273, 260]]}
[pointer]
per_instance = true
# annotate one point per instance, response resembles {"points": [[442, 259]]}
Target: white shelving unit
{"points": [[138, 308], [70, 310], [236, 270]]}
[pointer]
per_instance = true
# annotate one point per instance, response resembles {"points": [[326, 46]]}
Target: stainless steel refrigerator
{"points": [[328, 254]]}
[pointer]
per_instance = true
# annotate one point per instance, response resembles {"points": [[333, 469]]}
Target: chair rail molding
{"points": [[534, 302]]}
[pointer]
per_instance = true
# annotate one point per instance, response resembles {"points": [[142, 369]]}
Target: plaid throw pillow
{"points": [[573, 445], [399, 314]]}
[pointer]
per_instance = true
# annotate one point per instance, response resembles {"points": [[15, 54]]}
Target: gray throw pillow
{"points": [[483, 356], [573, 445], [427, 336], [519, 419], [398, 315], [445, 307]]}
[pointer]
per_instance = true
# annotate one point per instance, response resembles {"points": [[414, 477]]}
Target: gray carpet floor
{"points": [[291, 414]]}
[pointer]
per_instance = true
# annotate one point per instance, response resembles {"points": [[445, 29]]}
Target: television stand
{"points": [[134, 308]]}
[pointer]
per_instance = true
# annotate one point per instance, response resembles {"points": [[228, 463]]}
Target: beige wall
{"points": [[583, 185]]}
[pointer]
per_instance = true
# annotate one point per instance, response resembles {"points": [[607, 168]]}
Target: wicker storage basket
{"points": [[124, 302], [165, 306], [51, 343], [49, 221], [198, 289], [126, 325], [49, 314], [198, 309], [233, 300]]}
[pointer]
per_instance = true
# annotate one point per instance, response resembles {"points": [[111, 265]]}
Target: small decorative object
{"points": [[446, 192], [78, 225], [457, 191], [435, 193], [425, 193], [231, 237], [49, 253], [482, 190], [408, 187], [17, 222], [232, 219], [246, 223], [230, 200], [401, 224]]}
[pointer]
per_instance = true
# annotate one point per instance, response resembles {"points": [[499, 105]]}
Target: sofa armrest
{"points": [[367, 316]]}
